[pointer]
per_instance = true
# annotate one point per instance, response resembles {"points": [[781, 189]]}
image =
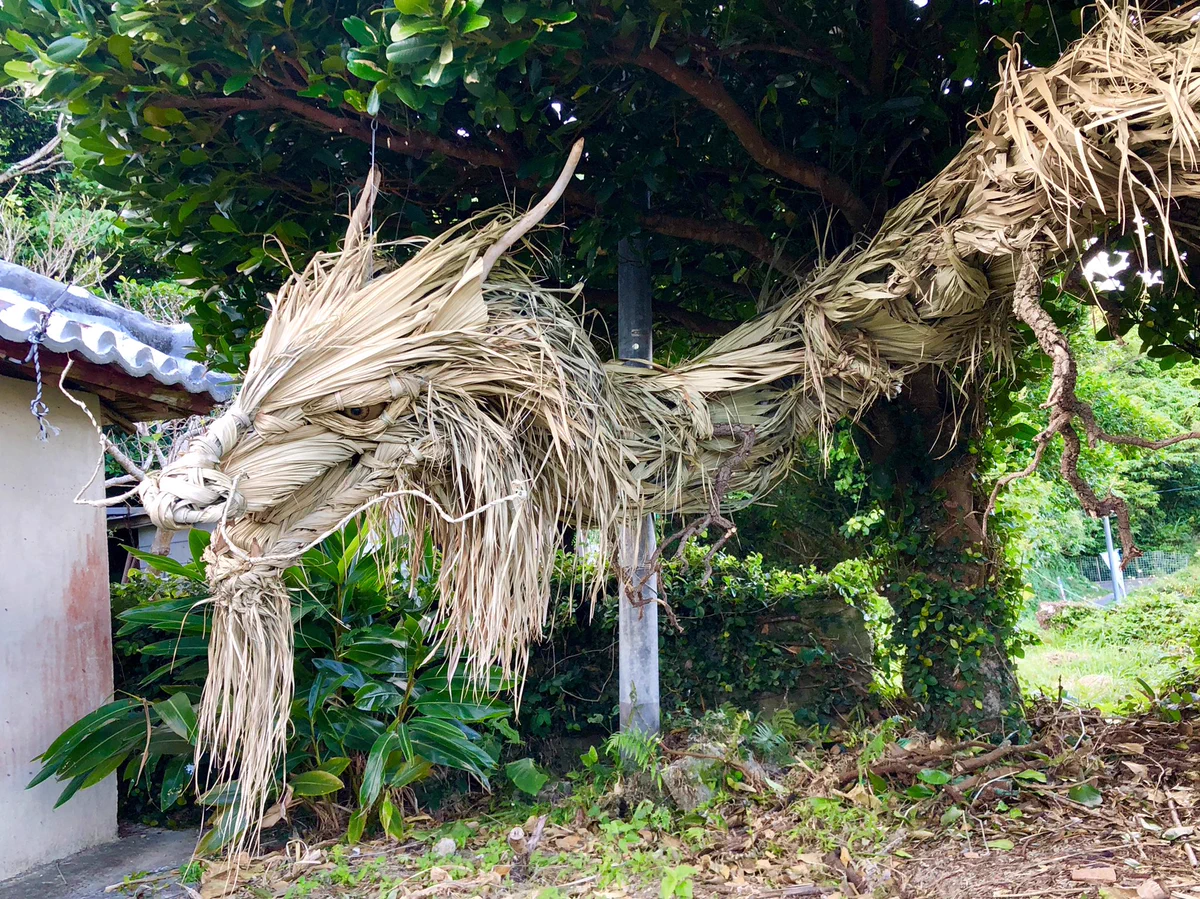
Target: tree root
{"points": [[1067, 411]]}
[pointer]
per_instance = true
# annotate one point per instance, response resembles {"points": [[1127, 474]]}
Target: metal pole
{"points": [[1114, 565], [638, 623]]}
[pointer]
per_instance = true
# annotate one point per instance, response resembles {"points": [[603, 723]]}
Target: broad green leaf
{"points": [[66, 49], [366, 70], [410, 50], [403, 31], [444, 743], [526, 776], [162, 115], [224, 226], [658, 26], [71, 789], [391, 820], [19, 42], [413, 7], [70, 738], [1031, 775], [175, 781], [315, 783], [933, 776], [1002, 845], [374, 697], [104, 769], [1085, 794], [372, 781], [177, 713], [20, 69], [114, 739], [335, 765], [474, 23], [236, 83], [434, 705], [358, 823], [512, 51], [360, 31], [166, 564], [121, 47], [514, 12], [918, 791], [409, 772]]}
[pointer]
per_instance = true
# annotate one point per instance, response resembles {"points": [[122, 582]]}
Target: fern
{"points": [[784, 721], [767, 739], [635, 748]]}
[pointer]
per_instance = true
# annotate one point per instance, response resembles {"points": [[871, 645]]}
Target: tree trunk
{"points": [[952, 596]]}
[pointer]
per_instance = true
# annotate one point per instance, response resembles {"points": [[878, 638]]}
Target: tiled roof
{"points": [[102, 332]]}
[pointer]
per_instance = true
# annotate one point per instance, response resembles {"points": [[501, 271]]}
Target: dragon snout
{"points": [[193, 489]]}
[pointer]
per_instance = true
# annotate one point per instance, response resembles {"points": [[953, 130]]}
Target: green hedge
{"points": [[751, 636]]}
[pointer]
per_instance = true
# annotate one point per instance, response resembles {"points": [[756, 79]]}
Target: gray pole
{"points": [[638, 624], [1114, 567]]}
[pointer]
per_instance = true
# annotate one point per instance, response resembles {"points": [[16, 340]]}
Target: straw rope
{"points": [[444, 383]]}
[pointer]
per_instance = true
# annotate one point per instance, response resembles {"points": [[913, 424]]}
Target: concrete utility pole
{"points": [[1114, 563], [638, 625]]}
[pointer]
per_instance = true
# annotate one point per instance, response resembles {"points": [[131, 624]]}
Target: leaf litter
{"points": [[1091, 806]]}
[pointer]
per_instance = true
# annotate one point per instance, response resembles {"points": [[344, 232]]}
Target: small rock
{"points": [[1106, 874], [444, 848], [689, 781], [1151, 889]]}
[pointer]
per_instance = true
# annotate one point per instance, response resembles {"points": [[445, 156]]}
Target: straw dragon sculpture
{"points": [[467, 400]]}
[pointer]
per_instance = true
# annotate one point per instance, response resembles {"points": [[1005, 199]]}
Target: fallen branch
{"points": [[523, 847]]}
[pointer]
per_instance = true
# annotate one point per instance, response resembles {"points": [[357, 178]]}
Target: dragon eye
{"points": [[364, 413]]}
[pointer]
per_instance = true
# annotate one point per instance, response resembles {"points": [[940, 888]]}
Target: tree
{"points": [[231, 131], [234, 131]]}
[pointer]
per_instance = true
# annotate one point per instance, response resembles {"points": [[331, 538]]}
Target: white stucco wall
{"points": [[55, 630]]}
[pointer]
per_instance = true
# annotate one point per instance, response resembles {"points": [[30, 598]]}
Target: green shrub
{"points": [[1166, 613], [375, 710], [750, 633]]}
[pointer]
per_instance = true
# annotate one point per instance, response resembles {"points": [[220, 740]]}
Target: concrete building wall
{"points": [[55, 630]]}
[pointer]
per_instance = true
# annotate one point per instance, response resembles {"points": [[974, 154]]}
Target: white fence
{"points": [[1154, 563]]}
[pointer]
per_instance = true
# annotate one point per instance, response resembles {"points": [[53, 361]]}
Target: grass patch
{"points": [[1102, 657], [1094, 672]]}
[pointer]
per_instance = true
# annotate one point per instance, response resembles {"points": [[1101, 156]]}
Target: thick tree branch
{"points": [[805, 53], [712, 95], [40, 160], [419, 144], [880, 42], [724, 233], [396, 138], [1066, 408]]}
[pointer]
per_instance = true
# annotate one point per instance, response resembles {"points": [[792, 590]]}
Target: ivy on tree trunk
{"points": [[954, 599]]}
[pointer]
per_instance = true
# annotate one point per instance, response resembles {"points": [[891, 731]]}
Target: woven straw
{"points": [[476, 409]]}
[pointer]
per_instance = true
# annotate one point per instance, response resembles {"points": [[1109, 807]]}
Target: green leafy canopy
{"points": [[233, 131]]}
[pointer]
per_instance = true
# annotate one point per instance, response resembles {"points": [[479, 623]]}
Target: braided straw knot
{"points": [[239, 583], [193, 489]]}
